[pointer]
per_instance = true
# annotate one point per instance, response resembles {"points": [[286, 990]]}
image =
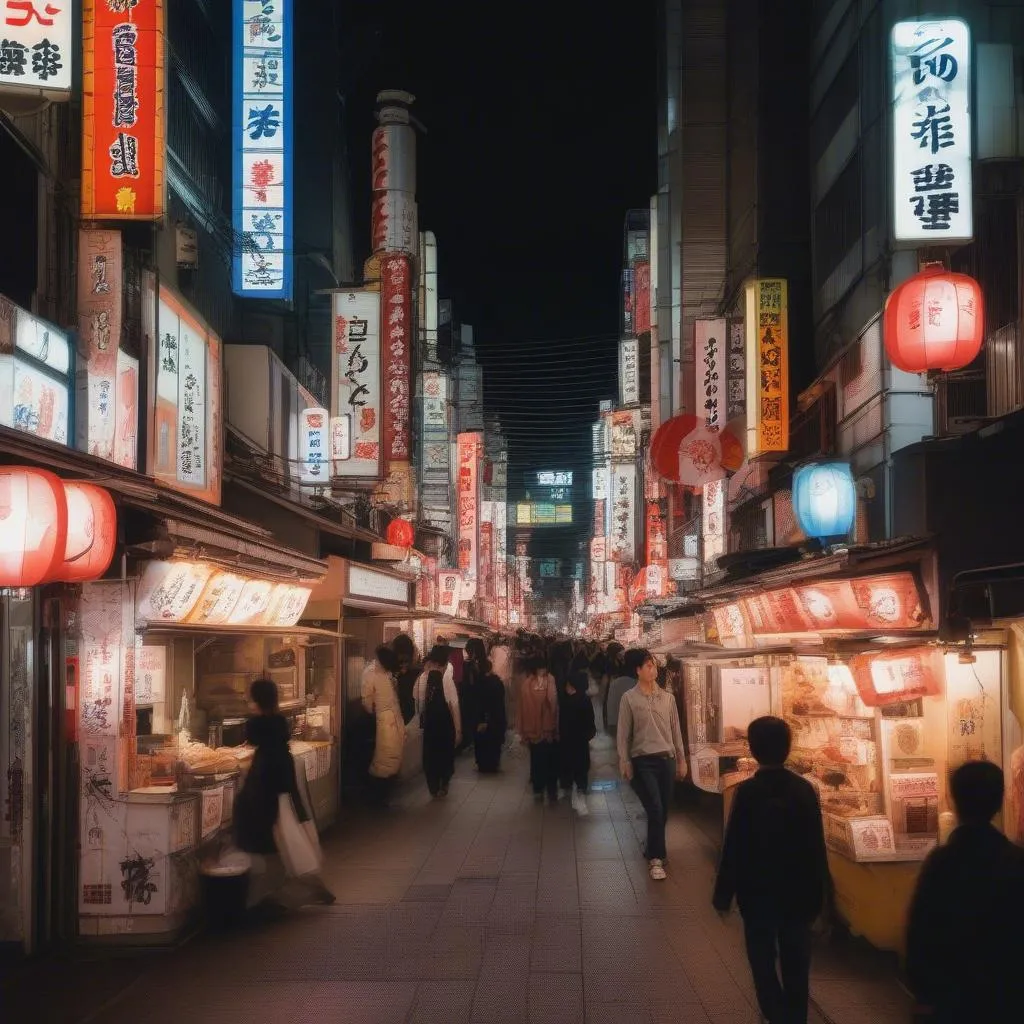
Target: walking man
{"points": [[774, 863], [650, 747]]}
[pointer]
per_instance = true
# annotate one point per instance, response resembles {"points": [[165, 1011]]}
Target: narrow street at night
{"points": [[483, 908]]}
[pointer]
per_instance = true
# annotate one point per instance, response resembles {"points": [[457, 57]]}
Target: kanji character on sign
{"points": [[13, 58], [934, 130], [46, 60], [927, 60], [124, 156], [935, 210], [933, 177], [26, 11], [263, 122], [261, 175]]}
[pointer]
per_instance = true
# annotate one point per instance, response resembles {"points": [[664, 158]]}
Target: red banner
{"points": [[396, 331], [642, 287], [123, 110]]}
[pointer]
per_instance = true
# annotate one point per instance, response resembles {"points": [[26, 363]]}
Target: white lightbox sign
{"points": [[931, 147]]}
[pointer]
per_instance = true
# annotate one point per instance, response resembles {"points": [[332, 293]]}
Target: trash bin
{"points": [[226, 889]]}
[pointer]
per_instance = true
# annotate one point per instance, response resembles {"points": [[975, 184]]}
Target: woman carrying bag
{"points": [[380, 699], [271, 821]]}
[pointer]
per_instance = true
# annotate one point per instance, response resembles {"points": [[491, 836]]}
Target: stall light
{"points": [[825, 499], [33, 526]]}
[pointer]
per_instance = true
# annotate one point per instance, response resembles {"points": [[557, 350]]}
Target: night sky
{"points": [[541, 134]]}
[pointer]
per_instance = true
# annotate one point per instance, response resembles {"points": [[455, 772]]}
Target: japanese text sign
{"points": [[468, 465], [36, 47], [397, 331], [123, 110], [931, 145], [315, 444], [767, 315], [185, 443], [629, 371], [108, 380], [711, 371], [736, 372], [262, 131], [642, 288], [623, 514], [355, 379]]}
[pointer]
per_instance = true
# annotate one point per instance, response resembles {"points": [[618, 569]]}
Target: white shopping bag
{"points": [[297, 842]]}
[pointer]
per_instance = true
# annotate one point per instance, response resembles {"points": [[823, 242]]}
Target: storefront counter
{"points": [[873, 899]]}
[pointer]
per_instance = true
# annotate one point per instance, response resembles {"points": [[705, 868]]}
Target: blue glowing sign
{"points": [[262, 132]]}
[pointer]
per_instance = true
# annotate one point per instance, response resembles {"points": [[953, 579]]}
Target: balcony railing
{"points": [[813, 430]]}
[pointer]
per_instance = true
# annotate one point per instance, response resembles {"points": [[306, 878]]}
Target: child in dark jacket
{"points": [[774, 863]]}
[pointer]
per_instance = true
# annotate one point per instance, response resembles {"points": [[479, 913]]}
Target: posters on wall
{"points": [[185, 444], [625, 434], [736, 380], [35, 369], [713, 522], [108, 379], [262, 131], [123, 127], [973, 703], [746, 695], [356, 379], [930, 64]]}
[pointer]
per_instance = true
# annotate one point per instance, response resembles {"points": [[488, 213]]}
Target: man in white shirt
{"points": [[650, 747]]}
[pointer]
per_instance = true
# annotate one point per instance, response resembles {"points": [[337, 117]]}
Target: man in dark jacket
{"points": [[774, 863], [965, 937]]}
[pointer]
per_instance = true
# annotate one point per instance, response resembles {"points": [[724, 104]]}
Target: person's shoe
{"points": [[657, 870], [579, 804], [444, 791]]}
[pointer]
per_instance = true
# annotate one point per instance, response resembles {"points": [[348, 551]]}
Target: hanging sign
{"points": [[185, 445], [396, 341], [123, 129], [767, 327], [355, 378], [314, 439], [629, 372], [36, 56], [931, 123], [468, 447], [623, 515], [642, 287], [711, 343], [262, 131]]}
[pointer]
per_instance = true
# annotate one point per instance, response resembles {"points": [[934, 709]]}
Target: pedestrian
{"points": [[650, 748], [380, 699], [965, 943], [407, 674], [436, 745], [612, 669], [271, 775], [775, 865], [440, 734], [469, 688], [492, 723], [538, 727], [576, 728], [622, 679]]}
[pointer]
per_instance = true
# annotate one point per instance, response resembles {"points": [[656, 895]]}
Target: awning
{"points": [[199, 630]]}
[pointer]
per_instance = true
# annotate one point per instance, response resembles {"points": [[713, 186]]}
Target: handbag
{"points": [[297, 842]]}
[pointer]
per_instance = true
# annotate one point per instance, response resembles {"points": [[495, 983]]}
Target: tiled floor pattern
{"points": [[487, 908]]}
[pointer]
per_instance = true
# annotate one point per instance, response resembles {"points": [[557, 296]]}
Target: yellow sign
{"points": [[767, 330]]}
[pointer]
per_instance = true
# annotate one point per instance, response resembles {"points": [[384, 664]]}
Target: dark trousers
{"points": [[575, 761], [782, 990], [652, 782], [544, 768]]}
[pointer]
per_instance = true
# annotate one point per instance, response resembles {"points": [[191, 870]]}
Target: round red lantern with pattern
{"points": [[92, 533], [934, 321], [400, 533]]}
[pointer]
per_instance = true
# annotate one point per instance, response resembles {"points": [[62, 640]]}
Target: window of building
{"points": [[838, 221]]}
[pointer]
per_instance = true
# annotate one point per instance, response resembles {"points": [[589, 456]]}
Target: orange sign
{"points": [[123, 110]]}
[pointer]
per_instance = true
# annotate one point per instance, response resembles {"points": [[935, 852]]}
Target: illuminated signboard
{"points": [[262, 132], [36, 55], [355, 381], [122, 109], [541, 513], [931, 125]]}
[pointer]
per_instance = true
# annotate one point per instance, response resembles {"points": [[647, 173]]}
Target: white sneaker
{"points": [[579, 804], [657, 870]]}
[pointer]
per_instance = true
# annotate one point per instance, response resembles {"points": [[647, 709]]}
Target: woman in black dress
{"points": [[439, 735], [492, 721], [576, 728]]}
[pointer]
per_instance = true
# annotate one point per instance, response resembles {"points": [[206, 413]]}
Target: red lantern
{"points": [[400, 533], [686, 450], [92, 533], [33, 526], [934, 321]]}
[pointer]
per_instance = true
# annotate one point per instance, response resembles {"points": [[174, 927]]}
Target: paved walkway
{"points": [[487, 908]]}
